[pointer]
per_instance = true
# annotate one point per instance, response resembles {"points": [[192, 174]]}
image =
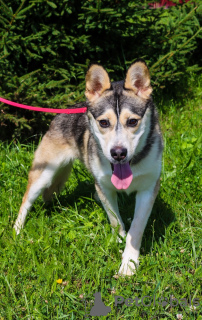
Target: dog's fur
{"points": [[119, 141]]}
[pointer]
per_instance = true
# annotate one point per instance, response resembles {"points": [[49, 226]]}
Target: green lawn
{"points": [[70, 238]]}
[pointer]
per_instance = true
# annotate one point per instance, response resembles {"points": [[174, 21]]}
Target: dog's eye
{"points": [[104, 123], [132, 122]]}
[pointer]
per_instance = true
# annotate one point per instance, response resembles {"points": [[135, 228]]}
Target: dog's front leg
{"points": [[143, 207], [108, 198]]}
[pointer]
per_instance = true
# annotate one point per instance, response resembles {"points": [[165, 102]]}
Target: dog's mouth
{"points": [[122, 175]]}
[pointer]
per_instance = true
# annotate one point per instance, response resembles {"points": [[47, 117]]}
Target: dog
{"points": [[120, 142]]}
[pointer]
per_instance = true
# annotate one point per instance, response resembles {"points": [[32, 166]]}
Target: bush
{"points": [[46, 47]]}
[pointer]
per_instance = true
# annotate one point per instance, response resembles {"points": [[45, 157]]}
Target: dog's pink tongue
{"points": [[122, 176]]}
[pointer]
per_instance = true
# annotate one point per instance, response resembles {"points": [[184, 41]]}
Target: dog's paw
{"points": [[17, 229], [18, 226], [121, 236], [129, 263]]}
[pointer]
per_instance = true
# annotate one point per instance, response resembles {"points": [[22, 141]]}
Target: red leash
{"points": [[23, 106]]}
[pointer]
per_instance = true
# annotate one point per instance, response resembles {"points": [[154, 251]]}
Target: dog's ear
{"points": [[97, 81], [138, 79]]}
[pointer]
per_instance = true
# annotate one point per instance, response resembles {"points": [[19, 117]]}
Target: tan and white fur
{"points": [[118, 140]]}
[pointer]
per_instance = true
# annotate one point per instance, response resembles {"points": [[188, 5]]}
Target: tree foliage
{"points": [[46, 46]]}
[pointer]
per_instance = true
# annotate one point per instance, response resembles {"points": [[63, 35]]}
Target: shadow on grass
{"points": [[82, 191], [161, 217]]}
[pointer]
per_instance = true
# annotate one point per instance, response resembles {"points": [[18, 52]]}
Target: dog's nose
{"points": [[118, 153]]}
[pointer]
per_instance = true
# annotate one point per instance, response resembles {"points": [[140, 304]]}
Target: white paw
{"points": [[122, 234], [18, 226], [129, 263]]}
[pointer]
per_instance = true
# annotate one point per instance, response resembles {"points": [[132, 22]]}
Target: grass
{"points": [[70, 238]]}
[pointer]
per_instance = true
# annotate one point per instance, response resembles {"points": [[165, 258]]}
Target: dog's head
{"points": [[119, 116]]}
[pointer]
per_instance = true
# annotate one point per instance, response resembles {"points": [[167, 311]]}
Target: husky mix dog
{"points": [[119, 141]]}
